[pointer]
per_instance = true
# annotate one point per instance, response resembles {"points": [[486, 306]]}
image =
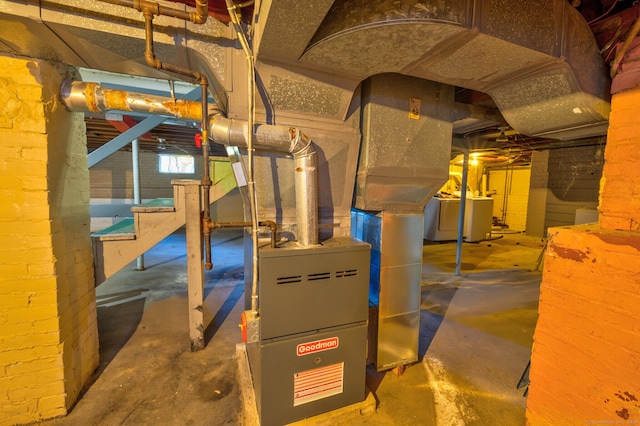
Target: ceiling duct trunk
{"points": [[538, 60]]}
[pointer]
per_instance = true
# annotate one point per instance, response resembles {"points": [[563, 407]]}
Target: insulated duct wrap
{"points": [[92, 97]]}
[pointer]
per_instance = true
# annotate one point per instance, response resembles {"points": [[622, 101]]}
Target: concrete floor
{"points": [[475, 341]]}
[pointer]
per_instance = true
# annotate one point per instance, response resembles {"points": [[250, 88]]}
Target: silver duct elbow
{"points": [[230, 132]]}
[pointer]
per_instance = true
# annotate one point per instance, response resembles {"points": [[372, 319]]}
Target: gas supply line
{"points": [[79, 96], [273, 227], [274, 137], [149, 10]]}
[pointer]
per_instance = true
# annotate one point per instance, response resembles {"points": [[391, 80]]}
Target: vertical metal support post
{"points": [[195, 265], [463, 204], [135, 158]]}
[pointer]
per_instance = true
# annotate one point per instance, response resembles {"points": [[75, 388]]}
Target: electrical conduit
{"points": [[250, 179]]}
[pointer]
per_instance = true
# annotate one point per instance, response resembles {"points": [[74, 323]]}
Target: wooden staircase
{"points": [[118, 245]]}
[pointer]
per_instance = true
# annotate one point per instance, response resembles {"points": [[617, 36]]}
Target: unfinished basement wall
{"points": [[585, 365], [112, 189], [510, 192], [48, 325], [112, 178], [538, 189], [574, 182], [562, 181]]}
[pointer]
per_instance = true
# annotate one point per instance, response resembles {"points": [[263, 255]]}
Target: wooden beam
{"points": [[195, 265]]}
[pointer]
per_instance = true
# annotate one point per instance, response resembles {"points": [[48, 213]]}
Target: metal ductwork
{"points": [[538, 60], [230, 132], [80, 96], [406, 141]]}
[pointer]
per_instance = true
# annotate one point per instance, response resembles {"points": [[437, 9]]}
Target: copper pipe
{"points": [[198, 17], [152, 61], [268, 223], [206, 178], [149, 54]]}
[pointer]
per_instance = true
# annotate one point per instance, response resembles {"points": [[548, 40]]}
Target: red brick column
{"points": [[585, 366], [620, 191]]}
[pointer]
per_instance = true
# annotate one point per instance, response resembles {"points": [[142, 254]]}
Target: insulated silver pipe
{"points": [[230, 132], [305, 165], [80, 96]]}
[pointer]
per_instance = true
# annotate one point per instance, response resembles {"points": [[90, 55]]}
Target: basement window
{"points": [[183, 164]]}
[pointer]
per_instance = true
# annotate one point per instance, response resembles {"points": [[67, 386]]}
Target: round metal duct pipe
{"points": [[291, 140], [80, 96]]}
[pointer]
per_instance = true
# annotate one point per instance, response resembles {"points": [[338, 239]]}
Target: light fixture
{"points": [[161, 144], [502, 138]]}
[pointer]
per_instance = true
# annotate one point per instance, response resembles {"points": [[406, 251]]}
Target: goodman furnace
{"points": [[307, 350]]}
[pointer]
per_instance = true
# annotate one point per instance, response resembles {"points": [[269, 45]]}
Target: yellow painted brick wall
{"points": [[620, 187], [48, 326], [517, 192], [585, 366]]}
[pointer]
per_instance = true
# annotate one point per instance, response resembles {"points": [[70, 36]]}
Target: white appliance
{"points": [[478, 218], [441, 219]]}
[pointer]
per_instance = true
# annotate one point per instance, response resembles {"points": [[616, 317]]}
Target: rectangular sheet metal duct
{"points": [[406, 142]]}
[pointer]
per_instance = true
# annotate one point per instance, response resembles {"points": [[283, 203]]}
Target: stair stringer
{"points": [[150, 228]]}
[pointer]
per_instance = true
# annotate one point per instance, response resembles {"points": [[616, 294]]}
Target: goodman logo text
{"points": [[317, 346]]}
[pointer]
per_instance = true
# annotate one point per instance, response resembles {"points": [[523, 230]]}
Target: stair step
{"points": [[154, 206], [123, 230]]}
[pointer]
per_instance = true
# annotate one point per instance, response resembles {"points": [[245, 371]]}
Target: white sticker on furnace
{"points": [[319, 383]]}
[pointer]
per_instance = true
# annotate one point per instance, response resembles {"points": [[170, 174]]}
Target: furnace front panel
{"points": [[310, 357]]}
